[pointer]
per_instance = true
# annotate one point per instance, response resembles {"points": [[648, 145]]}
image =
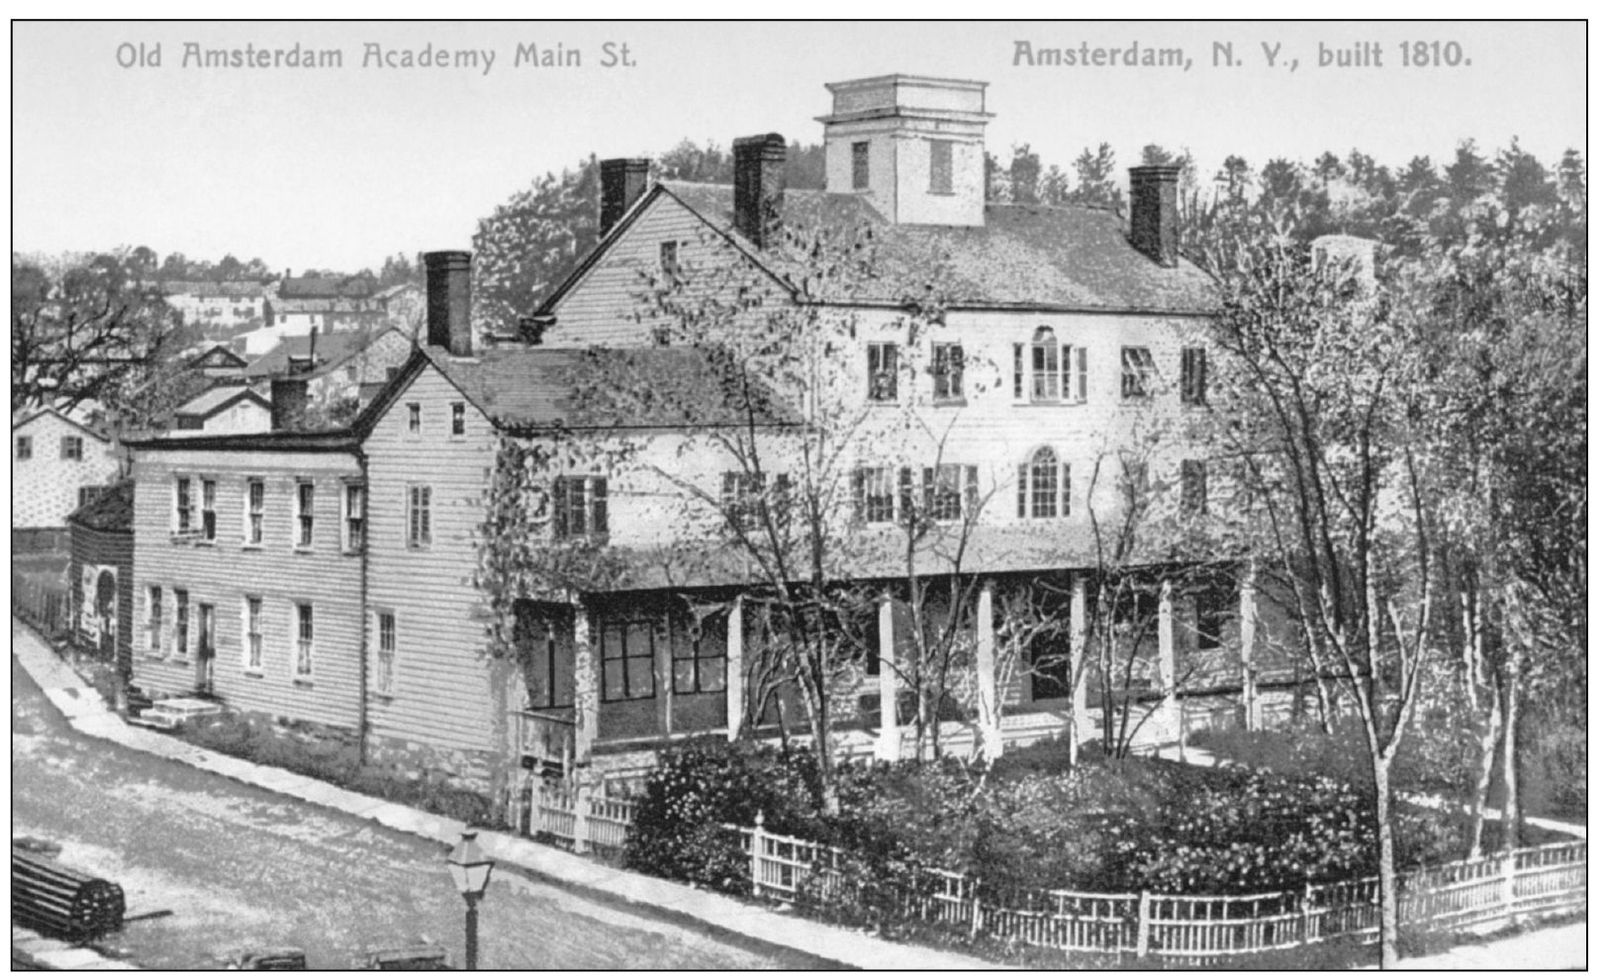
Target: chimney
{"points": [[623, 183], [760, 163], [289, 396], [446, 286], [1154, 219]]}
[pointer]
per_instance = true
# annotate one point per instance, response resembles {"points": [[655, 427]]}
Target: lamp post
{"points": [[470, 870]]}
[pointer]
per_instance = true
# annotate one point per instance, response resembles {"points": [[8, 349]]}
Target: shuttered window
{"points": [[1194, 375], [579, 506]]}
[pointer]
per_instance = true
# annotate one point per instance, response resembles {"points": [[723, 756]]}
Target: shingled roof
{"points": [[1025, 256], [656, 387], [111, 511], [333, 348]]}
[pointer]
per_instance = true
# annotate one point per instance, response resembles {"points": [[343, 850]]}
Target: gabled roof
{"points": [[217, 399], [112, 510], [219, 352], [333, 349], [326, 287], [80, 425], [524, 388], [1025, 256]]}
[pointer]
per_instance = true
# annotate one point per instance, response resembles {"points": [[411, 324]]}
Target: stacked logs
{"points": [[52, 899]]}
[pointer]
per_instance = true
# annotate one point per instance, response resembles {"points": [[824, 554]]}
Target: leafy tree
{"points": [[1095, 182], [398, 269], [1025, 175], [80, 333], [1232, 180]]}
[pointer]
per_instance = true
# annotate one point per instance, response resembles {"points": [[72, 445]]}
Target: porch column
{"points": [[1081, 721], [890, 744], [735, 689], [1248, 622], [1170, 713], [986, 677], [587, 687]]}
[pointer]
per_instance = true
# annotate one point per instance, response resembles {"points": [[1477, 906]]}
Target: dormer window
{"points": [[941, 166], [861, 166]]}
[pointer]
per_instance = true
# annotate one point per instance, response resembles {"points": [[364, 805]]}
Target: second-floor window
{"points": [[414, 419], [873, 495], [303, 514], [459, 414], [208, 509], [1194, 375], [669, 259], [1136, 372], [356, 516], [579, 506], [419, 533], [183, 512], [72, 447], [1194, 487], [947, 371], [941, 166], [1050, 372], [745, 497], [255, 504], [861, 166], [24, 448], [883, 372], [303, 641]]}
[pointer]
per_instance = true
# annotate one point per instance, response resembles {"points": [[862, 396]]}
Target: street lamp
{"points": [[470, 870]]}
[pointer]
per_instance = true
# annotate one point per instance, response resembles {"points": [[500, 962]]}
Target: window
{"points": [[88, 494], [1136, 372], [627, 661], [941, 166], [303, 514], [669, 259], [303, 641], [207, 639], [1194, 487], [458, 419], [180, 623], [252, 626], [72, 447], [351, 371], [1043, 487], [947, 371], [872, 495], [153, 621], [861, 166], [255, 499], [384, 671], [1194, 374], [24, 448], [418, 530], [356, 512], [948, 490], [698, 658], [883, 372], [414, 419], [181, 506], [550, 679], [1058, 372], [208, 509], [579, 506]]}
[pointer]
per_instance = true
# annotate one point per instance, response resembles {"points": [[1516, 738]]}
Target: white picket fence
{"points": [[1185, 929]]}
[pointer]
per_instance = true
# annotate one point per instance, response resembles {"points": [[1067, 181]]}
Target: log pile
{"points": [[52, 899]]}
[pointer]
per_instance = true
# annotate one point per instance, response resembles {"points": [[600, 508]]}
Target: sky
{"points": [[337, 167]]}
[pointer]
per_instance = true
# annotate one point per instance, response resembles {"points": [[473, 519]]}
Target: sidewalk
{"points": [[89, 714], [1548, 949]]}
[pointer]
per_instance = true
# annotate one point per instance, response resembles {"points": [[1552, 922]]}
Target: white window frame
{"points": [[251, 643], [594, 494], [154, 645], [415, 419], [255, 512], [303, 652], [420, 516], [947, 372], [353, 517], [183, 506], [182, 608], [304, 526], [209, 510], [881, 361], [384, 660], [867, 481]]}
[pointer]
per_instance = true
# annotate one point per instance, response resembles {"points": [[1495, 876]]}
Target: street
{"points": [[241, 867]]}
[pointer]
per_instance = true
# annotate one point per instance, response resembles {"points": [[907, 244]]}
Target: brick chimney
{"points": [[623, 183], [289, 396], [760, 164], [446, 288], [1155, 221]]}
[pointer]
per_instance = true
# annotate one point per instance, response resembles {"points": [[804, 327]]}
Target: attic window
{"points": [[669, 259], [941, 166], [861, 166]]}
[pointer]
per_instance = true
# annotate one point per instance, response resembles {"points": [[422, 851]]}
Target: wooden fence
{"points": [[1192, 930], [44, 606]]}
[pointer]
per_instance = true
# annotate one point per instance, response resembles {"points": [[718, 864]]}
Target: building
{"points": [[218, 362], [226, 409], [349, 366], [59, 461], [100, 574], [332, 304], [220, 309]]}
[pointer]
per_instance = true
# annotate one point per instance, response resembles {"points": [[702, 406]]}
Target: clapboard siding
{"points": [[442, 693], [226, 571], [608, 306]]}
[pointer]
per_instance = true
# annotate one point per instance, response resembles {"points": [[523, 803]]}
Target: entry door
{"points": [[206, 650], [106, 611]]}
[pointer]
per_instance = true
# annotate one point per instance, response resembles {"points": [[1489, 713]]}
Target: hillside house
{"points": [[222, 410], [332, 304], [219, 309], [59, 461], [349, 367]]}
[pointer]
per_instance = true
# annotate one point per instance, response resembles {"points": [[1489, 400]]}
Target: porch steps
{"points": [[169, 714]]}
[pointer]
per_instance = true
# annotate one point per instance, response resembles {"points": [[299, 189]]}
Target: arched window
{"points": [[1043, 486], [1044, 365]]}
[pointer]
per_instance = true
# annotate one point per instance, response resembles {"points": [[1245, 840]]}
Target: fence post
{"points": [[975, 915], [1144, 908], [1507, 888], [582, 818], [1307, 914], [757, 851]]}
